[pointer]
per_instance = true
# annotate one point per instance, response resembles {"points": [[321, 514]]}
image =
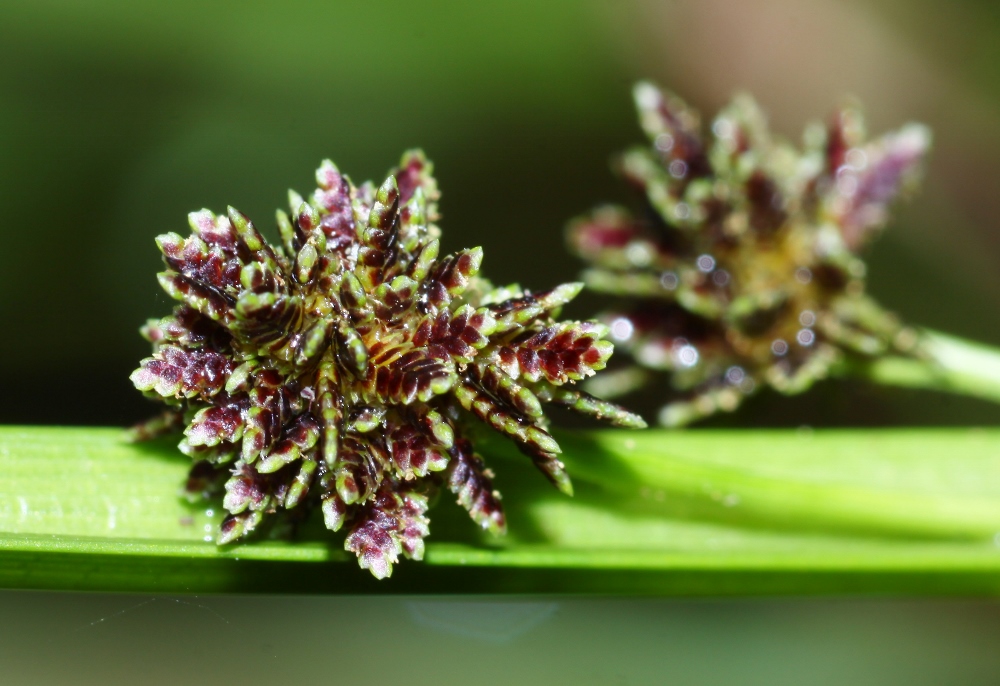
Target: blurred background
{"points": [[100, 639], [118, 118]]}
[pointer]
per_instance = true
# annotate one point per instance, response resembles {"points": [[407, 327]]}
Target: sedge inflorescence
{"points": [[741, 269], [345, 368]]}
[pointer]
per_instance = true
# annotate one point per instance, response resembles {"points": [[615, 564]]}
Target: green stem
{"points": [[662, 512], [947, 364]]}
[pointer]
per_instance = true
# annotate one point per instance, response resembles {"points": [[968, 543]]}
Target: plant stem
{"points": [[946, 363], [663, 512]]}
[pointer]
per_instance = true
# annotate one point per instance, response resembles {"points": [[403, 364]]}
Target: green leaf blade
{"points": [[695, 512], [938, 483]]}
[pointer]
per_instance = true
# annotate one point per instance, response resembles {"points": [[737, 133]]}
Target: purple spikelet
{"points": [[345, 368], [742, 269]]}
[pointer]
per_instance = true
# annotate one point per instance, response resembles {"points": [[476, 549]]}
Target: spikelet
{"points": [[342, 370], [742, 270]]}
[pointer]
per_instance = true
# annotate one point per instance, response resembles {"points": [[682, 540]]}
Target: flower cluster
{"points": [[343, 368], [742, 268]]}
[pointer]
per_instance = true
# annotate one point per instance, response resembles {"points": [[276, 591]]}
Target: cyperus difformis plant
{"points": [[741, 269], [343, 367]]}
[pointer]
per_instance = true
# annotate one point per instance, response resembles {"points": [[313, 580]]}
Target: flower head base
{"points": [[743, 267], [343, 368]]}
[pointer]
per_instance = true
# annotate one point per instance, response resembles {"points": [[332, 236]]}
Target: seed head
{"points": [[741, 270], [343, 369]]}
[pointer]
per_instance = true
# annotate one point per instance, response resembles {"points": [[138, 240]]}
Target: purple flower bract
{"points": [[345, 368]]}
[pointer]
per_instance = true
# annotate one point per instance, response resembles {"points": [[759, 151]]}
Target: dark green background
{"points": [[102, 640], [116, 119]]}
